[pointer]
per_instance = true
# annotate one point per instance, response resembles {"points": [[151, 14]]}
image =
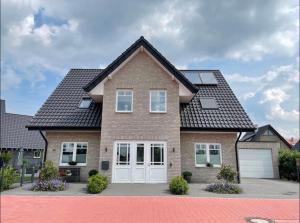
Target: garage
{"points": [[256, 163]]}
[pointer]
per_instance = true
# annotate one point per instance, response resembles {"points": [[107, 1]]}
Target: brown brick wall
{"points": [[141, 74], [55, 140], [206, 174]]}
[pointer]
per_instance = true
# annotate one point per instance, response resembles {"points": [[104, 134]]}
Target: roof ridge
{"points": [[87, 68]]}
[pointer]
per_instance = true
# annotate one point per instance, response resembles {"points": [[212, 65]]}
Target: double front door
{"points": [[139, 162]]}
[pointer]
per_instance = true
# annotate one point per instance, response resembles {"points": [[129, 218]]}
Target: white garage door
{"points": [[256, 163]]}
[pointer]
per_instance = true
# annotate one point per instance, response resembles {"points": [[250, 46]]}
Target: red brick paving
{"points": [[56, 209]]}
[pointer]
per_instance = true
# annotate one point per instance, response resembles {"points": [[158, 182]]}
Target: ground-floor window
{"points": [[73, 151], [208, 153]]}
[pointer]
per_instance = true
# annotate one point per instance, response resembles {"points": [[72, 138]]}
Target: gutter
{"points": [[237, 158], [46, 145]]}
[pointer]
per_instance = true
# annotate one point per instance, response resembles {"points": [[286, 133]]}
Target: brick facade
{"points": [[206, 174], [141, 74], [55, 140]]}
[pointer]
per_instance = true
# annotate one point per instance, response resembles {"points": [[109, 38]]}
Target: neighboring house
{"points": [[258, 152], [16, 137], [141, 120], [297, 146]]}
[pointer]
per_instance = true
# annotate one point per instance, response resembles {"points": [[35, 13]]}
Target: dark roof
{"points": [[229, 116], [255, 135], [14, 135], [61, 110], [297, 146], [127, 53]]}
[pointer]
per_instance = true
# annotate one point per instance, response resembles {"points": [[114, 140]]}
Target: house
{"points": [[297, 146], [141, 120], [15, 138], [258, 152]]}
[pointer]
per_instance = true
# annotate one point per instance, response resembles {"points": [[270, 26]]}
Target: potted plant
{"points": [[72, 163], [209, 165], [187, 175]]}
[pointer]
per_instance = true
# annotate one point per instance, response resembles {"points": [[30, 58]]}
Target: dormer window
{"points": [[85, 102]]}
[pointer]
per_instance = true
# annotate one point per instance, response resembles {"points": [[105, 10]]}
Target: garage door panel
{"points": [[256, 163]]}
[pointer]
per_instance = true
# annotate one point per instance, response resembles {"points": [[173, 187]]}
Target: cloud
{"points": [[272, 97]]}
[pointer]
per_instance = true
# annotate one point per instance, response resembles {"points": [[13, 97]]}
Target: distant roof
{"points": [[14, 135], [254, 136]]}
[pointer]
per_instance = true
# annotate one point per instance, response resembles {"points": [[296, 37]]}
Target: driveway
{"points": [[252, 188], [113, 209]]}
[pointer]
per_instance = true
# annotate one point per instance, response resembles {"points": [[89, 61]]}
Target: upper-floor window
{"points": [[73, 151], [124, 101], [158, 101], [208, 153], [268, 133]]}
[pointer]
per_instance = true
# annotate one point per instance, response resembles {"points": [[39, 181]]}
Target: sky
{"points": [[254, 43]]}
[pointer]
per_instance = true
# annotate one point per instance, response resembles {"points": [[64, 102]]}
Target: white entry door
{"points": [[256, 163], [139, 162]]}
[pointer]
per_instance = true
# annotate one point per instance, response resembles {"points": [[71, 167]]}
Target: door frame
{"points": [[147, 158]]}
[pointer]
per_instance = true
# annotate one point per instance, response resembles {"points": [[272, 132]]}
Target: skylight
{"points": [[209, 103], [85, 103]]}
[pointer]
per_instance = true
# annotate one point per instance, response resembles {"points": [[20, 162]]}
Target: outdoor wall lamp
{"points": [[173, 149], [105, 149], [171, 164]]}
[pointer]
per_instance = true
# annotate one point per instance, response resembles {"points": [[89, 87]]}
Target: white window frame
{"points": [[116, 109], [207, 154], [74, 154], [166, 97], [37, 157]]}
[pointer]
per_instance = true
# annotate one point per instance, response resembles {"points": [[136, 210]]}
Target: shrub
{"points": [[187, 173], [178, 185], [93, 172], [9, 177], [223, 188], [49, 185], [226, 174], [5, 157], [287, 164], [48, 171], [96, 184]]}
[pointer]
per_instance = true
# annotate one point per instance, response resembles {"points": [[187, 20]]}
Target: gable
{"points": [[140, 45]]}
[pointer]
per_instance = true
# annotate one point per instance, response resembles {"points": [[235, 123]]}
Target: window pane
{"points": [[123, 154], [140, 154], [157, 157], [201, 157], [67, 154], [81, 153], [158, 101], [85, 103], [214, 154], [124, 101]]}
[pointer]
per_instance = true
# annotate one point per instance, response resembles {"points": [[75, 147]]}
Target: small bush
{"points": [[49, 185], [93, 172], [96, 184], [287, 164], [48, 171], [178, 185], [226, 174], [5, 157], [9, 177], [187, 173], [223, 188]]}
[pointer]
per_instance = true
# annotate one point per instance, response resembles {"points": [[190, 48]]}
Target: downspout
{"points": [[237, 159], [46, 145]]}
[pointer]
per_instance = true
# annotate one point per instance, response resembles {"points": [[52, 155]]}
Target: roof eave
{"points": [[42, 128], [217, 129]]}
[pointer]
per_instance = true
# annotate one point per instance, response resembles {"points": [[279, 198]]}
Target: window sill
{"points": [[158, 112], [197, 166], [67, 165], [123, 112]]}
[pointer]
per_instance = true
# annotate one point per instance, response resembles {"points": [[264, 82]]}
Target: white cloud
{"points": [[274, 95]]}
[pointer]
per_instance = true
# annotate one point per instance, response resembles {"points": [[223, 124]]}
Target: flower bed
{"points": [[223, 188], [49, 185]]}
